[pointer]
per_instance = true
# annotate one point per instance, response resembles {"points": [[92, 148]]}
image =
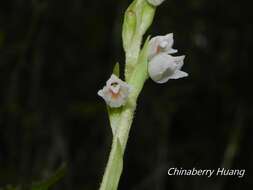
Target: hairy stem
{"points": [[138, 18]]}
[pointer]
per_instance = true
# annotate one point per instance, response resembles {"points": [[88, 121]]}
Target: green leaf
{"points": [[45, 185], [147, 17], [129, 25], [116, 70], [133, 33], [114, 167], [140, 73], [114, 117]]}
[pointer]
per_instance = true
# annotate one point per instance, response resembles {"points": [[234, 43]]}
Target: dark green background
{"points": [[56, 54]]}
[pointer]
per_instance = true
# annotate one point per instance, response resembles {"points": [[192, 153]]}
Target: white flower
{"points": [[161, 44], [115, 92], [155, 2], [163, 67]]}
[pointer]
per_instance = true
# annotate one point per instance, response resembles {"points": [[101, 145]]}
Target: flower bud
{"points": [[163, 67], [155, 2], [161, 44], [115, 93]]}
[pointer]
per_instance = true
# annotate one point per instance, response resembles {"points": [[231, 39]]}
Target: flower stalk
{"points": [[152, 60], [123, 122], [138, 18]]}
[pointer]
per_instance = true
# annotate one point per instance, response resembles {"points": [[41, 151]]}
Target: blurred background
{"points": [[56, 54]]}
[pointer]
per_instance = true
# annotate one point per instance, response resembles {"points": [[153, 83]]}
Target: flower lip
{"points": [[163, 67], [115, 93], [115, 87]]}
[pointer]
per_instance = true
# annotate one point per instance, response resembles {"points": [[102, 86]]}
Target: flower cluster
{"points": [[162, 66]]}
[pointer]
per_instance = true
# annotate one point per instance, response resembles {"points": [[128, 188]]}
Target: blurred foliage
{"points": [[45, 185]]}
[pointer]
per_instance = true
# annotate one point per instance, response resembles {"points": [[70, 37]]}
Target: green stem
{"points": [[115, 163], [138, 18], [113, 168], [125, 124], [132, 56]]}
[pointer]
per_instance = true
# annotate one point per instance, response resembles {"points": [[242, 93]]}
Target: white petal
{"points": [[161, 44], [100, 93], [161, 67], [116, 92], [113, 79], [163, 80], [171, 51], [178, 74], [169, 38], [155, 2], [179, 60]]}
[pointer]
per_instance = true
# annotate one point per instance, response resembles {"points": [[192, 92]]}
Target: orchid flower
{"points": [[115, 92], [162, 66]]}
